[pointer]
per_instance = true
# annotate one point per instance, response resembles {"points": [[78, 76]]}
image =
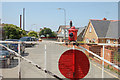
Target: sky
{"points": [[46, 14]]}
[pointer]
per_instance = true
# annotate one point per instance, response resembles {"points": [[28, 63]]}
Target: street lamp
{"points": [[64, 21], [34, 25]]}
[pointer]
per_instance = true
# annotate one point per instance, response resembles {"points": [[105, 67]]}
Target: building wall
{"points": [[104, 40], [59, 30], [60, 39], [118, 40], [113, 41], [101, 40], [108, 53], [90, 35]]}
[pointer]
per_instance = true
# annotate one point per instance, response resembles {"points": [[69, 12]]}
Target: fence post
{"points": [[19, 61], [45, 60], [103, 63]]}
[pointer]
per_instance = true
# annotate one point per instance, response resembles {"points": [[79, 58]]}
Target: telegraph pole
{"points": [[64, 21]]}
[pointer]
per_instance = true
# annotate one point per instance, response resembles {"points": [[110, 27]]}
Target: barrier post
{"points": [[45, 60], [103, 63], [19, 62]]}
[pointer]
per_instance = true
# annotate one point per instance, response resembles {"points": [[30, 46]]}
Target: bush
{"points": [[32, 34], [108, 67], [111, 68]]}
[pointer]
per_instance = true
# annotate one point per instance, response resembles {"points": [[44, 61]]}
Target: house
{"points": [[102, 31], [61, 28], [61, 33]]}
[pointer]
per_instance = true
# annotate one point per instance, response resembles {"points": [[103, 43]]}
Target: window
{"points": [[93, 40], [90, 29], [108, 41], [102, 40], [66, 31], [62, 31], [114, 41], [87, 40]]}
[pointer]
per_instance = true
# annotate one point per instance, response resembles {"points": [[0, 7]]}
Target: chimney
{"points": [[20, 21], [23, 18], [104, 19], [70, 24]]}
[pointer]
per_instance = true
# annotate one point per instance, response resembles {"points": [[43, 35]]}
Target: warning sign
{"points": [[74, 64]]}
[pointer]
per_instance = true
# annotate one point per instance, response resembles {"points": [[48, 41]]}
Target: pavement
{"points": [[46, 54]]}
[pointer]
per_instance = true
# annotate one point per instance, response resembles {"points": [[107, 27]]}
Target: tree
{"points": [[53, 34], [41, 32], [13, 32], [24, 33], [32, 34], [47, 31]]}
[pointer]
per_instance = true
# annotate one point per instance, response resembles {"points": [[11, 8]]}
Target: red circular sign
{"points": [[74, 64]]}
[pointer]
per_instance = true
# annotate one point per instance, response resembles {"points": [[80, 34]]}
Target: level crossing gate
{"points": [[49, 71]]}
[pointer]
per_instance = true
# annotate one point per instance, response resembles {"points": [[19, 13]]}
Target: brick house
{"points": [[102, 31]]}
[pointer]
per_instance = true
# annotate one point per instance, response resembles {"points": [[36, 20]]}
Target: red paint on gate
{"points": [[74, 64]]}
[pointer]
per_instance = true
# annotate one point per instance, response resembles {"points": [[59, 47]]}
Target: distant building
{"points": [[61, 29], [102, 31]]}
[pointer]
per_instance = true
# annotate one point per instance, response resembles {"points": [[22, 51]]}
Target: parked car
{"points": [[28, 39], [15, 45], [5, 56], [40, 39], [34, 39]]}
